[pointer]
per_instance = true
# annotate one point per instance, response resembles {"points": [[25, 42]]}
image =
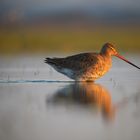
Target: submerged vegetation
{"points": [[53, 38]]}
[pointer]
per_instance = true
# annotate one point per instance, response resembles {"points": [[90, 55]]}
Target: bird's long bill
{"points": [[124, 59]]}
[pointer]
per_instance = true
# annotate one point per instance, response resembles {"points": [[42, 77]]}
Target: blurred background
{"points": [[36, 102], [67, 26]]}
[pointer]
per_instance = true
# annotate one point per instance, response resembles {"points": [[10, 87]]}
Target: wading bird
{"points": [[87, 66]]}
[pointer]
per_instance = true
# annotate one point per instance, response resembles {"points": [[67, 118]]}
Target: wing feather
{"points": [[75, 62]]}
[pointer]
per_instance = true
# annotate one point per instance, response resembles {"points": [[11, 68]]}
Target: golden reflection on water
{"points": [[87, 95]]}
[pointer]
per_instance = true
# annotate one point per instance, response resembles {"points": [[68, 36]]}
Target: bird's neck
{"points": [[105, 54], [107, 59]]}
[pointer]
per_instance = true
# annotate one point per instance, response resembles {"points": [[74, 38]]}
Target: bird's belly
{"points": [[67, 72]]}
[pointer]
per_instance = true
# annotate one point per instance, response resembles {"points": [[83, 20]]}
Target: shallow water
{"points": [[36, 102]]}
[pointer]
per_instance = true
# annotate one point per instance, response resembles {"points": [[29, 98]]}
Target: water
{"points": [[36, 102]]}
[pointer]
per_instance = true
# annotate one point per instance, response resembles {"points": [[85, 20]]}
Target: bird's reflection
{"points": [[88, 95]]}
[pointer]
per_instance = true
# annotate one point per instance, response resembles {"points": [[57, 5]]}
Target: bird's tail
{"points": [[50, 61]]}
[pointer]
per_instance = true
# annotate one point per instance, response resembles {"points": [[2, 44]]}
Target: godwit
{"points": [[86, 66]]}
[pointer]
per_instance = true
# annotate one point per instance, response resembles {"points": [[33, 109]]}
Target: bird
{"points": [[88, 66]]}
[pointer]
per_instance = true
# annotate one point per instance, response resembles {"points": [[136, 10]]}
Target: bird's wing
{"points": [[75, 62]]}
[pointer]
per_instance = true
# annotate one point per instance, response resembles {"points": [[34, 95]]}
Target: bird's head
{"points": [[108, 49]]}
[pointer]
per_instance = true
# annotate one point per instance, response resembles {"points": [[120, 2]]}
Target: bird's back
{"points": [[74, 62]]}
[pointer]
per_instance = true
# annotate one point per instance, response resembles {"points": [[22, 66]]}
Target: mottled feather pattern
{"points": [[80, 67], [75, 62]]}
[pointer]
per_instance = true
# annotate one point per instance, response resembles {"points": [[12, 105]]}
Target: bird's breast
{"points": [[103, 66], [99, 69]]}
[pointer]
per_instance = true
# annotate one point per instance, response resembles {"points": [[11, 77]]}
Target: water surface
{"points": [[36, 102]]}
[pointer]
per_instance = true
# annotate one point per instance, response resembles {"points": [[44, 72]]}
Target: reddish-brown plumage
{"points": [[86, 66]]}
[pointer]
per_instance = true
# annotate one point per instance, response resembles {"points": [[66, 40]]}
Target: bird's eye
{"points": [[112, 48]]}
